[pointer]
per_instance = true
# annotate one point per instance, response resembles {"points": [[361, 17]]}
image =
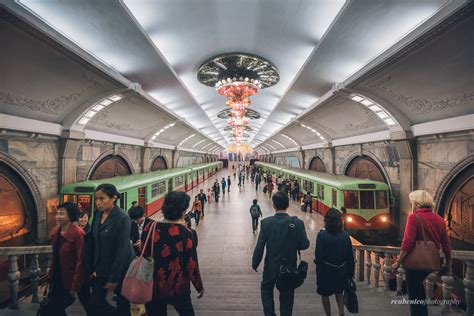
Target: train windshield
{"points": [[83, 201], [381, 199], [367, 201], [351, 199]]}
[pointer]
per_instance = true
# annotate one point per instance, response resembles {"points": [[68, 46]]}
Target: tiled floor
{"points": [[226, 241]]}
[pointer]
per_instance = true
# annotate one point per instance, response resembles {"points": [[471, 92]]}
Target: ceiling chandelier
{"points": [[237, 77]]}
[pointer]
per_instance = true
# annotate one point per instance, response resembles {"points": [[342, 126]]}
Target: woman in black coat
{"points": [[334, 260], [110, 253]]}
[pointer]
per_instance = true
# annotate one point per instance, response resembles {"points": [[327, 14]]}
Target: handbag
{"points": [[137, 285], [290, 278], [424, 256], [350, 297]]}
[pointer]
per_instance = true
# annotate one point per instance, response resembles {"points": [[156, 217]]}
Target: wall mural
{"points": [[290, 161]]}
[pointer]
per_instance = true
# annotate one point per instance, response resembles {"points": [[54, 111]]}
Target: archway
{"points": [[364, 167], [457, 207], [317, 165], [18, 213], [109, 167], [159, 164]]}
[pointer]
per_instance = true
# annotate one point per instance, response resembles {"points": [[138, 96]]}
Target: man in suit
{"points": [[203, 198], [274, 233], [139, 222]]}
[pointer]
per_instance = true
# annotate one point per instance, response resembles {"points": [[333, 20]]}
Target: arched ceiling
{"points": [[412, 60]]}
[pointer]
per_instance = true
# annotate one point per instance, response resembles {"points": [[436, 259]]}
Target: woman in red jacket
{"points": [[66, 272], [435, 230]]}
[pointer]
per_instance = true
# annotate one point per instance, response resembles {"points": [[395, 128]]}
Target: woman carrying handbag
{"points": [[66, 271], [425, 234]]}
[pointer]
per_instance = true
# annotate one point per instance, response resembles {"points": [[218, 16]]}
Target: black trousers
{"points": [[254, 223], [416, 291], [84, 294], [286, 299], [98, 304], [182, 305]]}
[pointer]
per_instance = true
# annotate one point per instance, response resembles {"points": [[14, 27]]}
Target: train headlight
{"points": [[384, 218], [349, 219]]}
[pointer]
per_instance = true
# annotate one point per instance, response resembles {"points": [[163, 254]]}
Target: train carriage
{"points": [[148, 188], [366, 201]]}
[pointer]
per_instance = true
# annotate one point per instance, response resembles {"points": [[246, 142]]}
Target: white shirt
{"points": [[140, 230]]}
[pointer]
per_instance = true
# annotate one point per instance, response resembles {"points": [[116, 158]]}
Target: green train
{"points": [[366, 201], [148, 188]]}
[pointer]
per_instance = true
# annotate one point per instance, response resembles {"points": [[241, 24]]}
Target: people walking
{"points": [[274, 233], [334, 261], [67, 270], [216, 189], [175, 259], [228, 183], [197, 210], [421, 224], [255, 213], [308, 201], [111, 252], [203, 198], [139, 221], [223, 184], [270, 188], [257, 181]]}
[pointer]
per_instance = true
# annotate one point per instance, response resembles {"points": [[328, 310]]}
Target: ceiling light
{"points": [[382, 114], [357, 98], [83, 121], [98, 107], [389, 121], [106, 102], [375, 108], [366, 102], [115, 98], [90, 114]]}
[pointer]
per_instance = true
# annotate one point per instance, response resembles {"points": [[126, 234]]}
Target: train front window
{"points": [[351, 199], [367, 201], [381, 199], [84, 202]]}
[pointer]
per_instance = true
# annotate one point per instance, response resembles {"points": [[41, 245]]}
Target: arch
{"points": [[30, 196], [109, 166], [159, 163], [455, 202], [365, 167], [317, 164]]}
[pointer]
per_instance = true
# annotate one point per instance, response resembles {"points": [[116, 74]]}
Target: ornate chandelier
{"points": [[237, 77]]}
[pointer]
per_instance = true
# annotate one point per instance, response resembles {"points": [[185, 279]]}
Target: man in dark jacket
{"points": [[203, 198], [274, 233], [228, 183], [139, 222]]}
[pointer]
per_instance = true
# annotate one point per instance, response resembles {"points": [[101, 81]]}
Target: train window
{"points": [[308, 186], [161, 187], [320, 188], [69, 198], [179, 180], [154, 190], [334, 197], [380, 199], [84, 202], [367, 200], [351, 199]]}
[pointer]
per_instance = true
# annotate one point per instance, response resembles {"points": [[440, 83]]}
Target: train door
{"points": [[142, 197], [170, 184]]}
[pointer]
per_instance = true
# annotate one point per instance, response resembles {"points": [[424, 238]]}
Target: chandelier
{"points": [[237, 77]]}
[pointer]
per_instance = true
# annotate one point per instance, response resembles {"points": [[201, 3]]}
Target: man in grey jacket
{"points": [[274, 232]]}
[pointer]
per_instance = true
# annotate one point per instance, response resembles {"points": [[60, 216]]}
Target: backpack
{"points": [[254, 211]]}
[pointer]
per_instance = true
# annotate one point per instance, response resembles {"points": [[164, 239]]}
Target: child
{"points": [[210, 194]]}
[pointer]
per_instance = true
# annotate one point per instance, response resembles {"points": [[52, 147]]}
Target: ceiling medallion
{"points": [[238, 76]]}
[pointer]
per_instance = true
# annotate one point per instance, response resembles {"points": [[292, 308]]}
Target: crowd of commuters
{"points": [[91, 255]]}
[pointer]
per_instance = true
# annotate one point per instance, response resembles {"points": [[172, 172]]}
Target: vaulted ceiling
{"points": [[411, 60]]}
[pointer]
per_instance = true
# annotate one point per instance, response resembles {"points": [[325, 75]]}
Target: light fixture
{"points": [[238, 76], [314, 131], [186, 139], [97, 108], [290, 139], [376, 108], [162, 130]]}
